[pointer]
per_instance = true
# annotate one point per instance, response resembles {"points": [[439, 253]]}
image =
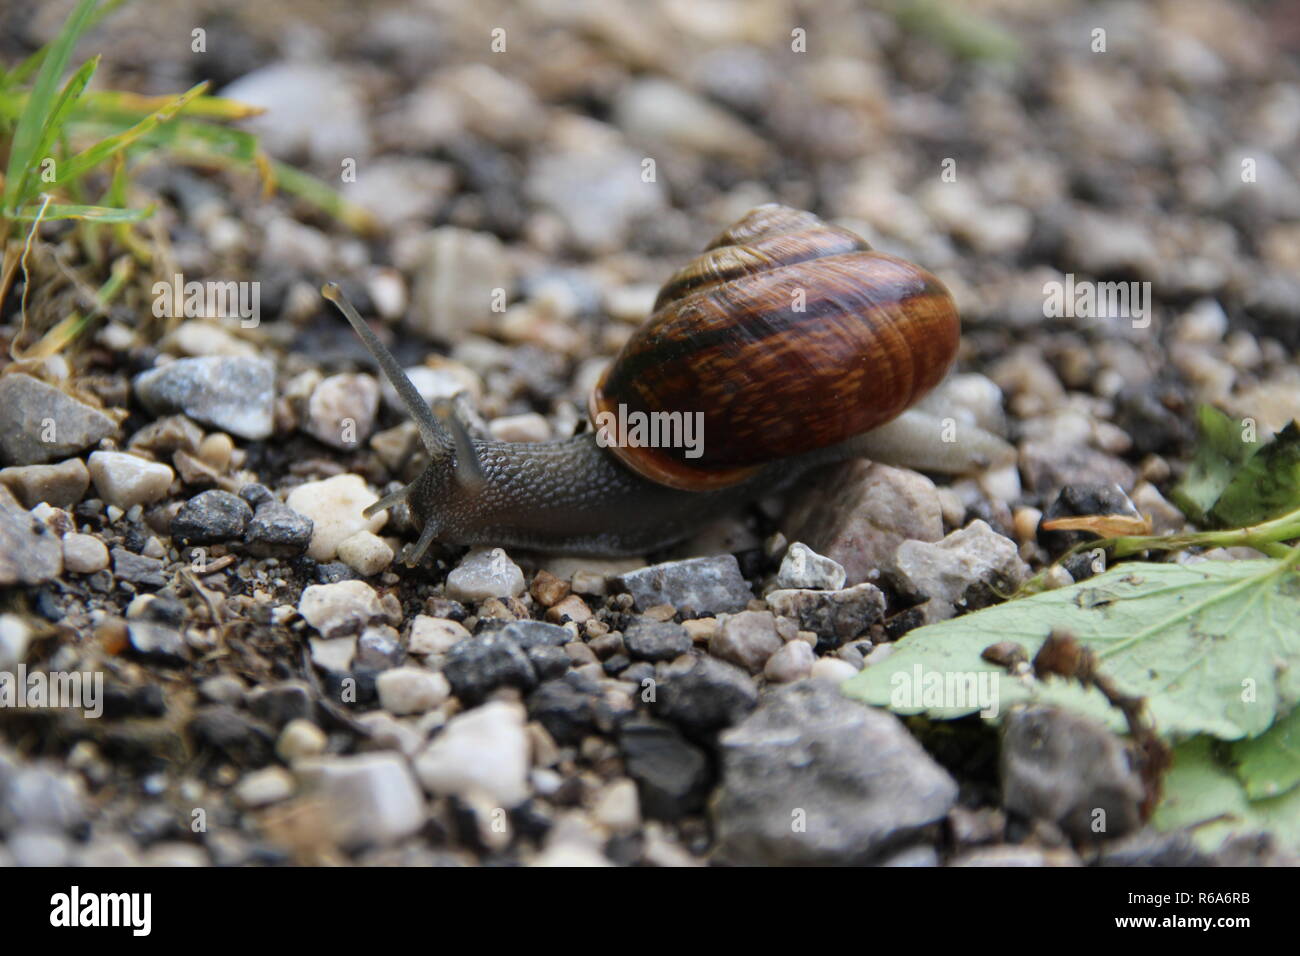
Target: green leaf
{"points": [[1199, 788], [36, 114], [89, 158], [89, 213], [1220, 453], [1212, 646], [1269, 765], [1265, 486]]}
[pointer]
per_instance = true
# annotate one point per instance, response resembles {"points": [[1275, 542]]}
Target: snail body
{"points": [[790, 341]]}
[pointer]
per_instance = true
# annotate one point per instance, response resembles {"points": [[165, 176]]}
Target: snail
{"points": [[789, 339]]}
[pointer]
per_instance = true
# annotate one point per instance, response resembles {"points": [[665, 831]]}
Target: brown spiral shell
{"points": [[728, 338]]}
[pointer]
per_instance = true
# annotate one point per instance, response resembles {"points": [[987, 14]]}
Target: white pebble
{"points": [[344, 607], [411, 690], [84, 553], [334, 506], [434, 635], [124, 481], [300, 738], [792, 662], [263, 787], [366, 553], [832, 669], [485, 573], [482, 753]]}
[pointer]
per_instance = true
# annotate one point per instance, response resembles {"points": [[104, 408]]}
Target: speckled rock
{"points": [[747, 640], [834, 616], [211, 516], [696, 587], [234, 394], [950, 573], [804, 568], [479, 666], [814, 778], [29, 551], [41, 423], [650, 640]]}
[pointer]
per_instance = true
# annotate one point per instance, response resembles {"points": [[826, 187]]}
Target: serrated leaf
{"points": [[1214, 647], [1265, 486], [1199, 788], [1220, 453], [1269, 765]]}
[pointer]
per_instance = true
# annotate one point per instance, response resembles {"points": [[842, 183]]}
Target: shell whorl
{"points": [[787, 334]]}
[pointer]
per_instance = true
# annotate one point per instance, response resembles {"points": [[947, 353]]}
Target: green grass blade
{"points": [[311, 190], [89, 158], [72, 91], [86, 213], [32, 123]]}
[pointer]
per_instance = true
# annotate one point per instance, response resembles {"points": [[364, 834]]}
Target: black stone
{"points": [[655, 640], [567, 708], [479, 666], [211, 516], [672, 774], [704, 696], [280, 703]]}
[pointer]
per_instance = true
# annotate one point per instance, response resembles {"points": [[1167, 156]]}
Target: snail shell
{"points": [[788, 335]]}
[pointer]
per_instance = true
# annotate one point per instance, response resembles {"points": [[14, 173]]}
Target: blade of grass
{"points": [[87, 213], [31, 125], [26, 68], [204, 107], [72, 91], [317, 193], [89, 158]]}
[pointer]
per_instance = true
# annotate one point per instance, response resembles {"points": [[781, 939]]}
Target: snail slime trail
{"points": [[637, 429]]}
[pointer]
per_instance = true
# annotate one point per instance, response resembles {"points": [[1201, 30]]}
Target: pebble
{"points": [[365, 553], [299, 739], [462, 275], [61, 485], [596, 191], [211, 516], [792, 662], [1069, 770], [39, 848], [40, 797], [804, 568], [434, 635], [369, 798], [1082, 499], [310, 107], [834, 616], [28, 409], [854, 776], [280, 703], [223, 689], [618, 806], [478, 667], [704, 695], [263, 787], [345, 607], [945, 573], [480, 754], [158, 641], [341, 411], [859, 513], [30, 553], [662, 113], [137, 568], [411, 690], [747, 640], [650, 640], [485, 573], [84, 553], [520, 428], [697, 587], [173, 853], [14, 638], [832, 670], [276, 530], [236, 395], [334, 506], [125, 480], [443, 378], [672, 774]]}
